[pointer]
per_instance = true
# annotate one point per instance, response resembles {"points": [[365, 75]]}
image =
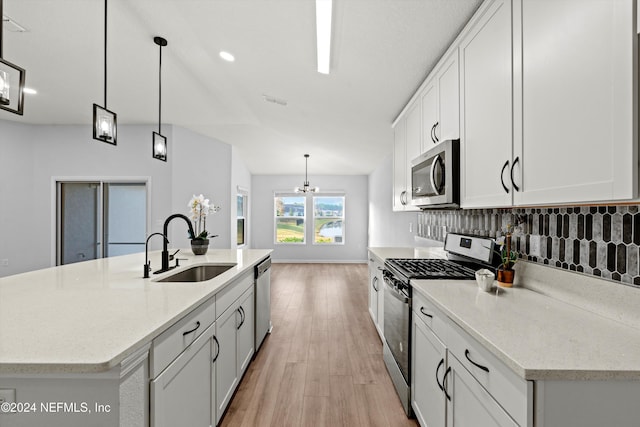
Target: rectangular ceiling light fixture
{"points": [[323, 34]]}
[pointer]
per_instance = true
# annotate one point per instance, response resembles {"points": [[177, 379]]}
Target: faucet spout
{"points": [[147, 263], [165, 250]]}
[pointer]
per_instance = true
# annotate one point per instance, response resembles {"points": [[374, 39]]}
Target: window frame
{"points": [[342, 217], [277, 195]]}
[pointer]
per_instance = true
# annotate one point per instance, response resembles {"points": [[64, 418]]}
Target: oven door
{"points": [[434, 176], [397, 321]]}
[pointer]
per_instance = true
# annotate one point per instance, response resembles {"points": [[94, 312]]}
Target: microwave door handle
{"points": [[436, 189]]}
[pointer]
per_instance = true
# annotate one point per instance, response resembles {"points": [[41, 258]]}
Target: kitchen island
{"points": [[77, 342]]}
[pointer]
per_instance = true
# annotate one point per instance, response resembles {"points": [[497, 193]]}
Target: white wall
{"points": [[356, 205], [388, 228], [33, 156], [201, 165]]}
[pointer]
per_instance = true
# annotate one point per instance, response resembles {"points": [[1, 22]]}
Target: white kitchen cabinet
{"points": [[400, 166], [183, 393], [441, 102], [376, 294], [430, 363], [486, 107], [246, 331], [235, 334], [575, 138], [468, 403], [407, 146]]}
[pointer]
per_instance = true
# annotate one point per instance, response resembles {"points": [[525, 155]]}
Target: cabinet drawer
{"points": [[233, 291], [168, 345], [429, 314], [513, 393]]}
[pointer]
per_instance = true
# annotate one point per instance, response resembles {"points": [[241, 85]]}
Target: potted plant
{"points": [[200, 208], [505, 273]]}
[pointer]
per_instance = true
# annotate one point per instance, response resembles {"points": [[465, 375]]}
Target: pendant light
{"points": [[105, 122], [305, 187], [12, 80], [159, 142]]}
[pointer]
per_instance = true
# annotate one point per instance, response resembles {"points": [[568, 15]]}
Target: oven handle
{"points": [[396, 294]]}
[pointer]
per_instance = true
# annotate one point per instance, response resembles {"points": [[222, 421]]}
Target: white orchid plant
{"points": [[200, 208]]}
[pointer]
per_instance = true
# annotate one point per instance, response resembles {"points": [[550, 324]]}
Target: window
{"points": [[290, 214], [241, 215], [328, 220]]}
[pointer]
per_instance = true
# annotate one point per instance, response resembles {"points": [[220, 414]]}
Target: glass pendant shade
{"points": [[104, 125], [12, 80], [4, 88], [159, 147]]}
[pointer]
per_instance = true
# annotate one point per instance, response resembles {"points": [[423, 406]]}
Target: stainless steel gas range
{"points": [[465, 255]]}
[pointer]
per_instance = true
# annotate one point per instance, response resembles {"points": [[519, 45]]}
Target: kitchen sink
{"points": [[198, 273]]}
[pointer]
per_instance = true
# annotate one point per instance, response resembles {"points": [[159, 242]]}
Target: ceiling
{"points": [[381, 52]]}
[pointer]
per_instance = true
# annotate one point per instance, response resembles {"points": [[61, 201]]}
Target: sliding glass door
{"points": [[100, 219]]}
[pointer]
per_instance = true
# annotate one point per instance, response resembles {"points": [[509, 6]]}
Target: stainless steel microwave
{"points": [[435, 176]]}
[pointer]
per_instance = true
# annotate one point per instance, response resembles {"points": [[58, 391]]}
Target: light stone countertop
{"points": [[537, 336], [88, 317]]}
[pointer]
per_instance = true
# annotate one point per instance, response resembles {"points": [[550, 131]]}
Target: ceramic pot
{"points": [[199, 246], [505, 278]]}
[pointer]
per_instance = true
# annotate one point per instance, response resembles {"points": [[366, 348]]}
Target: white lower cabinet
{"points": [[468, 403], [235, 333], [457, 383], [183, 393], [430, 364], [376, 294]]}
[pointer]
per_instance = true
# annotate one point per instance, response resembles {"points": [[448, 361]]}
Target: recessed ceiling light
{"points": [[227, 56], [29, 91]]}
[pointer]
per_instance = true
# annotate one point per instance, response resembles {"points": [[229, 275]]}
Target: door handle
{"points": [[217, 350], [438, 370], [434, 132], [433, 136], [375, 280], [184, 334], [437, 188], [506, 189], [426, 314], [466, 354], [444, 383], [511, 174]]}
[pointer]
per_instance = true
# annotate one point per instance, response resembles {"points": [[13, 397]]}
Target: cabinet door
{"points": [[486, 107], [429, 366], [578, 102], [182, 393], [414, 147], [374, 287], [470, 405], [226, 364], [448, 99], [380, 286], [246, 338], [429, 116], [400, 166]]}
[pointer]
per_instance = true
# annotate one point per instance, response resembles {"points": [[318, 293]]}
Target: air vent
{"points": [[275, 100], [12, 26]]}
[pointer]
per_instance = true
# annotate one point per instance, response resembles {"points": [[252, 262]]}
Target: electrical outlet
{"points": [[7, 395], [534, 245], [4, 262]]}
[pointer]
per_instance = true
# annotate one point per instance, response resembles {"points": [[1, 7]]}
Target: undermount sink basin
{"points": [[198, 273]]}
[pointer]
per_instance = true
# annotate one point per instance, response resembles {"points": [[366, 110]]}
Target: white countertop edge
{"points": [[8, 369]]}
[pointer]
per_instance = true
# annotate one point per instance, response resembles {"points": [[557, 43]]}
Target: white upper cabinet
{"points": [[400, 166], [486, 107], [448, 98], [429, 115], [576, 139]]}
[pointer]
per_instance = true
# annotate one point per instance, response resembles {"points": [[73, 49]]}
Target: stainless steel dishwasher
{"points": [[263, 301]]}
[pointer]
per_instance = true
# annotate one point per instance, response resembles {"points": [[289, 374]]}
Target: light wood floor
{"points": [[322, 365]]}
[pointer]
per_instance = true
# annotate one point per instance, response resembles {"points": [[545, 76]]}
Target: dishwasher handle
{"points": [[263, 267], [396, 293]]}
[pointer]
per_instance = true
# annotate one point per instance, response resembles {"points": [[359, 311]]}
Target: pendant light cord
{"points": [[1, 26], [105, 54], [160, 93]]}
